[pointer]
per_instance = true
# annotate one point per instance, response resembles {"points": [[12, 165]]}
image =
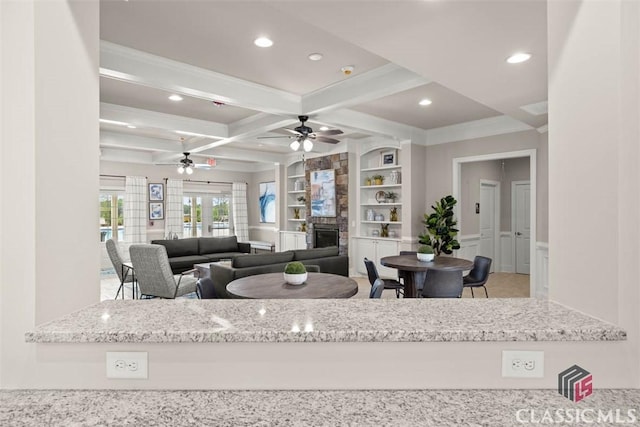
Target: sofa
{"points": [[184, 253], [248, 265]]}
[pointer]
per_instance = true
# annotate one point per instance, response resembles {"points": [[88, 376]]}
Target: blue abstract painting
{"points": [[267, 201], [323, 193]]}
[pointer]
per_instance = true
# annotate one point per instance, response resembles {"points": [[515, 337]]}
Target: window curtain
{"points": [[135, 209], [240, 215], [173, 210]]}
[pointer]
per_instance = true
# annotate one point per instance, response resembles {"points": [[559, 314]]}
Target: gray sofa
{"points": [[248, 265], [184, 253]]}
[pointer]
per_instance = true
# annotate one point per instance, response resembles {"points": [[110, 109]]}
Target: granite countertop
{"points": [[440, 408], [339, 320]]}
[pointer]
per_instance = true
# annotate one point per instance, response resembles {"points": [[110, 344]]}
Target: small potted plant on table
{"points": [[295, 273], [425, 253]]}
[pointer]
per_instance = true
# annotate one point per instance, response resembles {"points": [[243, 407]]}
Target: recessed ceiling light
{"points": [[315, 56], [519, 57], [323, 128], [424, 102], [175, 97], [131, 126], [263, 42]]}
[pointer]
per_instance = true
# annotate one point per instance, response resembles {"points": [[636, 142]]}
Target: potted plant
{"points": [[302, 200], [295, 273], [377, 179], [425, 253], [440, 226], [390, 196]]}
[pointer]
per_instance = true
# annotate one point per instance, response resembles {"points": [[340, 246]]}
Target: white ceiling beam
{"points": [[152, 119], [475, 129], [133, 142], [248, 128], [123, 63], [380, 82], [125, 156], [368, 123]]}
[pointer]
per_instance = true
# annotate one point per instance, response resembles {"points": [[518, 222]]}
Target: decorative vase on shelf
{"points": [[393, 214], [296, 213], [367, 181], [384, 230]]}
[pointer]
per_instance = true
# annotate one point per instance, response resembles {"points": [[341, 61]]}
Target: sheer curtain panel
{"points": [[135, 209], [173, 222], [240, 215]]}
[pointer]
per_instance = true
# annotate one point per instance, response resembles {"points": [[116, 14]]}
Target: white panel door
{"points": [[488, 221], [522, 227]]}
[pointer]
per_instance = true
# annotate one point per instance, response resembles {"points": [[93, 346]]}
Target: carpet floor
{"points": [[499, 285]]}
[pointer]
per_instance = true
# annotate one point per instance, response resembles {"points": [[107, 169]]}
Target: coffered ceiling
{"points": [[451, 52]]}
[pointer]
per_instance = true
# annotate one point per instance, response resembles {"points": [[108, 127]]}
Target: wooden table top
{"points": [[273, 286], [412, 263]]}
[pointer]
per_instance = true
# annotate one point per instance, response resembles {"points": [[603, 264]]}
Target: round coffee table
{"points": [[273, 286]]}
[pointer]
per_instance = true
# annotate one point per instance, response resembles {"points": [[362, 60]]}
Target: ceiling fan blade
{"points": [[201, 166], [295, 132], [329, 132], [325, 139], [267, 137]]}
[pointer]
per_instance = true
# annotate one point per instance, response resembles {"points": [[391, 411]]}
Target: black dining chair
{"points": [[442, 284], [478, 275], [376, 289], [372, 272]]}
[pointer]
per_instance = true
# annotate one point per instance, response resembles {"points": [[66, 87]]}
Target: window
{"points": [[111, 216], [220, 214], [192, 225]]}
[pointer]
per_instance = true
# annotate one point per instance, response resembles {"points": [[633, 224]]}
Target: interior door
{"points": [[522, 226], [488, 221]]}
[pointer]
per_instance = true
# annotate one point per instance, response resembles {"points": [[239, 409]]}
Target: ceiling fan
{"points": [[186, 165], [304, 136]]}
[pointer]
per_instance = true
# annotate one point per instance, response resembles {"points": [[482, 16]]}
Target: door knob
{"points": [[518, 233]]}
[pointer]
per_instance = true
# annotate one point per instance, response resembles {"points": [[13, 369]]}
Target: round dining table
{"points": [[273, 286], [414, 269]]}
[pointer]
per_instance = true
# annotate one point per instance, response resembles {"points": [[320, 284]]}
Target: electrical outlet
{"points": [[121, 364], [523, 364]]}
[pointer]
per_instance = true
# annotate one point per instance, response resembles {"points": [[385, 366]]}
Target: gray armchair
{"points": [[123, 272], [154, 275]]}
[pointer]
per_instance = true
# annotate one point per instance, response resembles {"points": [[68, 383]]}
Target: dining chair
{"points": [[154, 274], [124, 273], [376, 289], [372, 272], [478, 275], [442, 284]]}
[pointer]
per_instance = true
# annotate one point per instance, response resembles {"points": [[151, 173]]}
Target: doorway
{"points": [[521, 223], [490, 221], [503, 250]]}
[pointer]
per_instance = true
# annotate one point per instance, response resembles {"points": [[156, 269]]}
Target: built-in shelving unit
{"points": [[375, 209], [292, 236]]}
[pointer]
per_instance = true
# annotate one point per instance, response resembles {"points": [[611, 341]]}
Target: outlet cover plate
{"points": [[127, 365], [528, 364]]}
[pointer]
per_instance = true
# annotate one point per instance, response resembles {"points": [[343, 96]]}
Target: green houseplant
{"points": [[295, 273], [425, 253], [440, 227]]}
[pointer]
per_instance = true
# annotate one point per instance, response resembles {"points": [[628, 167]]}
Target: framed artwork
{"points": [[156, 192], [388, 158], [323, 193], [156, 210], [267, 201]]}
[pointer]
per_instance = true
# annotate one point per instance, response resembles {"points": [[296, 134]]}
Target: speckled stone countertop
{"points": [[410, 320], [442, 408]]}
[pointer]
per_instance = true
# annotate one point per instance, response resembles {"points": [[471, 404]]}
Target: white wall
{"points": [[594, 108]]}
